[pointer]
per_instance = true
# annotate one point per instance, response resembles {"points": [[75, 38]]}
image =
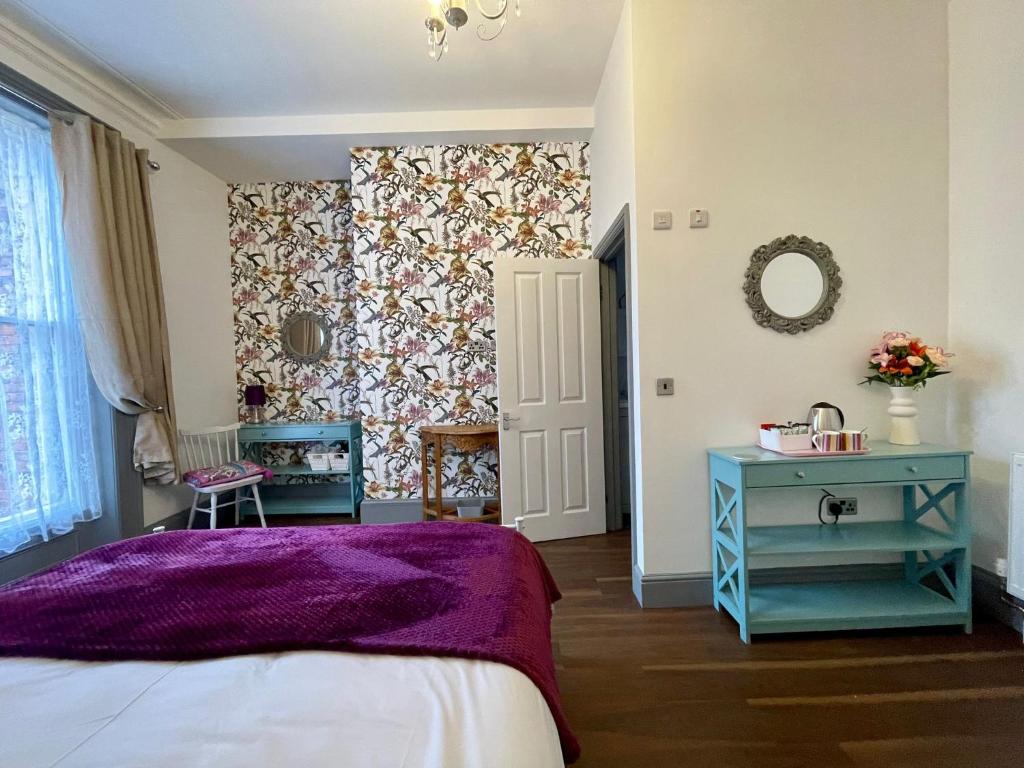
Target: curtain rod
{"points": [[43, 109]]}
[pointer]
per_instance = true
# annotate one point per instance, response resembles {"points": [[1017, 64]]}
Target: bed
{"points": [[408, 645]]}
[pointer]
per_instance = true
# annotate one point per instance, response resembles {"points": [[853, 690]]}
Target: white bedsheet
{"points": [[302, 709]]}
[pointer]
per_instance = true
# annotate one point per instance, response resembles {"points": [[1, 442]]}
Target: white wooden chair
{"points": [[211, 447]]}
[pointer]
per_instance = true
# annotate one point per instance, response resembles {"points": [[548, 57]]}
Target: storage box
{"points": [[318, 462], [469, 507], [774, 440], [339, 462]]}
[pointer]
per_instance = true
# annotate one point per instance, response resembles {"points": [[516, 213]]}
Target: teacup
{"points": [[853, 439], [827, 441]]}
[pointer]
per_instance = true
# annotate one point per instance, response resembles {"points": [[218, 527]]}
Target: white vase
{"points": [[903, 412]]}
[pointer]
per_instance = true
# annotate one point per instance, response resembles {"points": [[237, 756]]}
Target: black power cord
{"points": [[821, 503]]}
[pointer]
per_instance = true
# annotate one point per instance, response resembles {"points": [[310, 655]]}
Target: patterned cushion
{"points": [[225, 473]]}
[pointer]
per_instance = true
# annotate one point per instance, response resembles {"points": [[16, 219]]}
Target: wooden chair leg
{"points": [[192, 512], [213, 511], [238, 506], [259, 504]]}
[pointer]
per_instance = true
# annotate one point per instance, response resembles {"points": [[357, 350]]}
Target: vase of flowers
{"points": [[905, 363]]}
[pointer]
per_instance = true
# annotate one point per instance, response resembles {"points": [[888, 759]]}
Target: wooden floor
{"points": [[676, 687]]}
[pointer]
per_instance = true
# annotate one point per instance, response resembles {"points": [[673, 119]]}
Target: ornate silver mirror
{"points": [[306, 337], [792, 284]]}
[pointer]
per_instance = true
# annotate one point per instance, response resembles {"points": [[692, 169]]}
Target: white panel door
{"points": [[549, 396]]}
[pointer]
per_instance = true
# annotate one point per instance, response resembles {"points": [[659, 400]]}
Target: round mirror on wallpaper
{"points": [[306, 337], [792, 284]]}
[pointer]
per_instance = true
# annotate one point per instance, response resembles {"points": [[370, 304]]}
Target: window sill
{"points": [[34, 542]]}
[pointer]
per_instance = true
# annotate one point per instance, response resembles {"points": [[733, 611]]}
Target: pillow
{"points": [[225, 473]]}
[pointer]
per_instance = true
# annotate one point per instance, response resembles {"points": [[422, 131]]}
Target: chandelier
{"points": [[453, 13]]}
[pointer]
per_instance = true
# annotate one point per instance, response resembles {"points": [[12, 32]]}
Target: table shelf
{"points": [[888, 536], [492, 513], [305, 506], [848, 605], [302, 470]]}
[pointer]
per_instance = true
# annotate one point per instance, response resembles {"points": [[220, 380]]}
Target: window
{"points": [[48, 474]]}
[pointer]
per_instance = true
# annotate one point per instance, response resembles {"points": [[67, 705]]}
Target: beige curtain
{"points": [[108, 226]]}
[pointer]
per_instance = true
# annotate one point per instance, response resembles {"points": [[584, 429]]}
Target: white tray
{"points": [[814, 452]]}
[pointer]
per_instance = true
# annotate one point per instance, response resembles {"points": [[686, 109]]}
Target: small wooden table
{"points": [[464, 438]]}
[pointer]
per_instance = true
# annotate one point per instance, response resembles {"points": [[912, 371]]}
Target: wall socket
{"points": [[666, 387], [479, 346], [842, 506]]}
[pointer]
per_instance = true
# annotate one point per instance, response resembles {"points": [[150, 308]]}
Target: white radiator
{"points": [[1015, 551]]}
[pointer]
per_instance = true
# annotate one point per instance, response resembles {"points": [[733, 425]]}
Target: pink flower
{"points": [[477, 171], [417, 414], [915, 361], [881, 358], [478, 310], [938, 355], [410, 208], [479, 241]]}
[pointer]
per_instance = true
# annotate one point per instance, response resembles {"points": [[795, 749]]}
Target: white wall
{"points": [[190, 207], [612, 186], [612, 147], [986, 244], [796, 116]]}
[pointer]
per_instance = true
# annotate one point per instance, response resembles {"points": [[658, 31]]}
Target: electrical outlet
{"points": [[698, 218], [838, 506], [666, 387], [479, 346]]}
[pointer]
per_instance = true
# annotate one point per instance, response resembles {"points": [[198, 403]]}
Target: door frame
{"points": [[620, 232], [610, 388]]}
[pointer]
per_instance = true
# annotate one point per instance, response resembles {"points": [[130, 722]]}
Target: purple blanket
{"points": [[430, 589]]}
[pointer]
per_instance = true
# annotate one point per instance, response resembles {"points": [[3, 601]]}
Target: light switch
{"points": [[666, 387], [663, 219], [698, 218]]}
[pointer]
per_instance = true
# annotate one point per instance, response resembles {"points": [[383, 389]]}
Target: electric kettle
{"points": [[825, 417]]}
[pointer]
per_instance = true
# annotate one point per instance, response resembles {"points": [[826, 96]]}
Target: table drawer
{"points": [[830, 472], [265, 433]]}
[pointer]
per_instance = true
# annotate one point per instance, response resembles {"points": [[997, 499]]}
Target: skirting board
{"points": [[176, 522], [688, 590], [989, 596], [380, 511]]}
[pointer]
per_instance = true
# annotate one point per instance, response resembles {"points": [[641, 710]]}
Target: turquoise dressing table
{"points": [[933, 533], [317, 492]]}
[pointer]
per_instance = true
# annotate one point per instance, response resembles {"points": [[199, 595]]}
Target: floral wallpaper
{"points": [[427, 224], [402, 267], [290, 252]]}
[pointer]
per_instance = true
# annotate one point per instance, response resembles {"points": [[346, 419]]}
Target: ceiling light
{"points": [[442, 14]]}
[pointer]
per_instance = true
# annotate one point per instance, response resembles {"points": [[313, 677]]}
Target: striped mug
{"points": [[830, 441]]}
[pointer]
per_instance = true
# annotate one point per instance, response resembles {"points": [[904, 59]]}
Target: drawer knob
{"points": [[263, 433], [801, 474], [912, 470]]}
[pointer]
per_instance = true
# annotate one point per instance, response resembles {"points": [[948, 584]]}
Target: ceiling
{"points": [[233, 58]]}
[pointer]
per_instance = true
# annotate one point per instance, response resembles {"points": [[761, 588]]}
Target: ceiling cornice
{"points": [[408, 124], [86, 73]]}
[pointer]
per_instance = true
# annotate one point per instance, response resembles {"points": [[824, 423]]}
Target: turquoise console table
{"points": [[934, 536], [318, 492]]}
